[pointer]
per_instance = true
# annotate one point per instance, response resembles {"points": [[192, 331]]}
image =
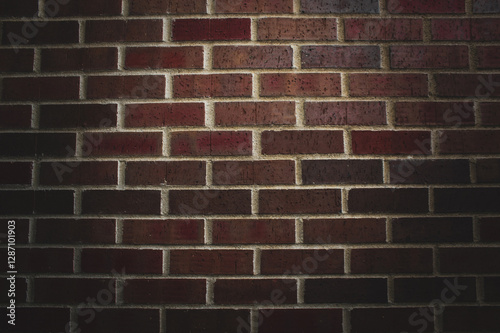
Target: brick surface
{"points": [[309, 262], [255, 172], [394, 260], [345, 291], [488, 170], [429, 171], [432, 230], [22, 8], [345, 113], [426, 7], [342, 172], [469, 260], [124, 87], [297, 29], [20, 62], [391, 142], [161, 173], [165, 114], [212, 85], [429, 56], [237, 291], [77, 115], [333, 231], [200, 320], [481, 319], [489, 229], [55, 32], [75, 231], [109, 31], [421, 290], [120, 202], [383, 200], [300, 320], [40, 88], [453, 114], [383, 29], [340, 57], [254, 113], [302, 142], [253, 231], [89, 8], [130, 261], [15, 173], [211, 29], [85, 173], [184, 202], [153, 7], [217, 143], [220, 262], [15, 116], [37, 144], [299, 201], [166, 57], [120, 320], [316, 84], [226, 57], [42, 202], [396, 85], [164, 291], [479, 199], [162, 232], [489, 114], [339, 6], [254, 6], [469, 142], [385, 320]]}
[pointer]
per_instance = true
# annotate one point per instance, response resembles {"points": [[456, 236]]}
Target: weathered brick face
{"points": [[251, 166]]}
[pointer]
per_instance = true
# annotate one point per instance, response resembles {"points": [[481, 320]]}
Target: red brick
{"points": [[134, 87], [308, 262], [34, 319], [164, 291], [485, 6], [28, 202], [327, 7], [300, 320], [118, 144], [253, 172], [37, 260], [73, 291], [297, 29], [162, 232], [345, 291], [393, 260], [254, 6], [211, 29], [165, 114], [22, 231], [37, 144], [77, 115], [252, 57], [421, 290], [15, 116], [169, 173], [485, 29], [209, 262], [22, 61], [52, 32], [432, 230], [478, 260], [121, 202], [474, 200], [211, 202], [164, 57], [439, 56], [340, 57], [255, 290], [490, 114], [488, 170], [389, 320], [345, 113], [396, 85], [212, 85], [433, 114], [119, 320], [413, 171], [125, 261], [79, 59], [470, 142], [471, 318], [302, 142], [40, 88], [334, 231], [383, 29], [488, 56], [489, 229], [300, 85], [254, 113], [491, 289], [75, 231], [79, 173], [385, 200], [299, 201], [145, 7], [467, 85], [391, 142], [237, 231], [211, 143], [342, 172], [89, 8], [18, 173], [205, 320], [451, 29], [104, 31], [426, 7], [20, 290], [20, 8]]}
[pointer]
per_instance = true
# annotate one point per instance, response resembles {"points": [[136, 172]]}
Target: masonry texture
{"points": [[251, 166]]}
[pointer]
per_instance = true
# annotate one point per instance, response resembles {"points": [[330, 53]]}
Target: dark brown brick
{"points": [[211, 29], [490, 116], [439, 56], [183, 202], [53, 32], [117, 144], [163, 114], [211, 143], [79, 59], [164, 57], [391, 85], [40, 88], [345, 291], [297, 29], [74, 290], [299, 201], [469, 142], [15, 116], [16, 173], [372, 29], [78, 116], [252, 57], [109, 31], [471, 319], [474, 200], [391, 142], [210, 262], [489, 229], [253, 172], [345, 113], [393, 260], [342, 172], [425, 290], [124, 261], [389, 320], [80, 173], [206, 320], [254, 113], [334, 231], [308, 262], [27, 202], [302, 142], [453, 114], [121, 202], [37, 144], [75, 231], [249, 291], [254, 6], [238, 231], [120, 320], [478, 260], [161, 173], [164, 291], [22, 61], [163, 232], [212, 85], [41, 260], [300, 85], [432, 229], [414, 171], [125, 87], [148, 7], [340, 57], [385, 200]]}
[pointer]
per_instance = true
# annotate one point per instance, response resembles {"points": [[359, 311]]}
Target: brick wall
{"points": [[254, 166]]}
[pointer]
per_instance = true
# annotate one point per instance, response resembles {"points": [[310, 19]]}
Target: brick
{"points": [[339, 6], [393, 260], [29, 319], [485, 29], [344, 231], [22, 61], [300, 85], [467, 85], [383, 29], [165, 173], [109, 31], [40, 88], [469, 142], [489, 229], [414, 171], [21, 8], [238, 231], [74, 290], [488, 170], [28, 202], [125, 87], [345, 113], [119, 144], [124, 261], [254, 113], [471, 318], [164, 57], [80, 173], [391, 85], [165, 114], [227, 57], [237, 291], [340, 57], [299, 201], [253, 172], [321, 29], [210, 262], [140, 232], [77, 115], [478, 260], [308, 262], [424, 290], [38, 260], [164, 291], [22, 230], [300, 320], [485, 6], [79, 59], [184, 202], [205, 320], [142, 7], [426, 7], [450, 29], [432, 230], [20, 290], [121, 202], [212, 85], [254, 6], [488, 57], [345, 291], [52, 32], [120, 320], [434, 114], [454, 200], [389, 320], [302, 142], [89, 8], [385, 200], [441, 56], [491, 289], [18, 173], [342, 172], [391, 142], [211, 29], [211, 143], [75, 231], [15, 116], [38, 144], [490, 116]]}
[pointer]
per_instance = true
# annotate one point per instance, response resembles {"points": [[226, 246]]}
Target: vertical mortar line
{"points": [[254, 320], [210, 7], [435, 139], [298, 171], [37, 60], [121, 114], [83, 87], [166, 262], [125, 8], [438, 321], [73, 319], [473, 170], [468, 7], [121, 174], [346, 320], [208, 58], [390, 289], [35, 174], [480, 289], [477, 113], [255, 200], [163, 320], [30, 289], [165, 142], [210, 291], [300, 290], [209, 114], [435, 259], [299, 231], [169, 86], [81, 31], [77, 260], [426, 30], [390, 114], [296, 56], [122, 51], [431, 86], [208, 232], [476, 229], [167, 31], [385, 57], [120, 284], [347, 260], [164, 202], [119, 231], [431, 199], [344, 83], [209, 176], [296, 6], [254, 22], [256, 144], [41, 8], [473, 60], [255, 85], [344, 195], [78, 201], [388, 230], [32, 231], [340, 30], [300, 112], [383, 7], [386, 172], [257, 255]]}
